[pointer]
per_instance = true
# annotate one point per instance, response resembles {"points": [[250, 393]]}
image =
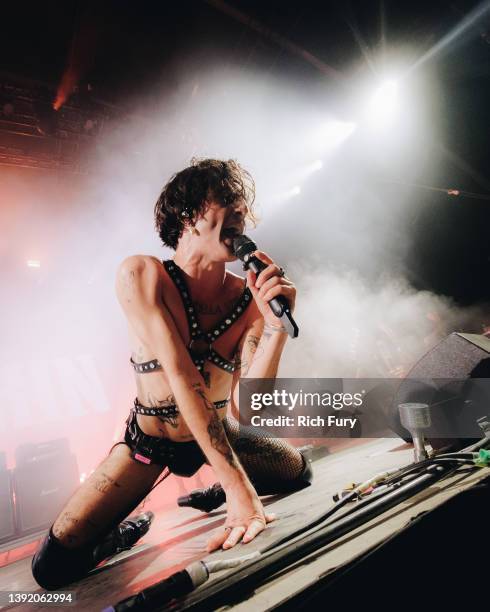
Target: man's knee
{"points": [[54, 565], [306, 475], [270, 486]]}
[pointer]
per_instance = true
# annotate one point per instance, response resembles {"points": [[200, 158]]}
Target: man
{"points": [[194, 329]]}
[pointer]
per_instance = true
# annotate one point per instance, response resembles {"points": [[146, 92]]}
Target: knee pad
{"points": [[54, 565]]}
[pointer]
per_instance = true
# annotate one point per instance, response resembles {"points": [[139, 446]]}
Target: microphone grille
{"points": [[242, 245]]}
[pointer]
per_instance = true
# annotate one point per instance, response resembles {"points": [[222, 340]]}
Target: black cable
{"points": [[252, 573], [316, 534], [319, 521]]}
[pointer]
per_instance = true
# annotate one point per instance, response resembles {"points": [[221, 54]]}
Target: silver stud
{"points": [[239, 309], [247, 297], [152, 365], [222, 327], [194, 325], [228, 321], [216, 332], [191, 309]]}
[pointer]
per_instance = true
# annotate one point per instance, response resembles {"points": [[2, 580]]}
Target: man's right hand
{"points": [[245, 519]]}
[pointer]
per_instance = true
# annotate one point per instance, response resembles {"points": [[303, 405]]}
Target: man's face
{"points": [[217, 227]]}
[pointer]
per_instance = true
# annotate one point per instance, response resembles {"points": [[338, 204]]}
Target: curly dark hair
{"points": [[186, 196]]}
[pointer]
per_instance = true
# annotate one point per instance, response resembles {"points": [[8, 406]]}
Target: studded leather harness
{"points": [[200, 345]]}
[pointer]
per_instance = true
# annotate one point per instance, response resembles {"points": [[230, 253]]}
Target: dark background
{"points": [[122, 48]]}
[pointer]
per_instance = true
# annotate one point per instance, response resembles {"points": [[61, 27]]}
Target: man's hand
{"points": [[246, 518], [270, 283]]}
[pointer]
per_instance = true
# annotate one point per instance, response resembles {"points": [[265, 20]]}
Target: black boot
{"points": [[214, 496], [55, 566], [124, 536], [205, 500]]}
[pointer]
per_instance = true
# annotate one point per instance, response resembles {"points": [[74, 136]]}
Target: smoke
{"points": [[351, 328], [341, 238]]}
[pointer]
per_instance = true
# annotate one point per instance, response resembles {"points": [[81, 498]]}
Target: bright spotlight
{"points": [[383, 104]]}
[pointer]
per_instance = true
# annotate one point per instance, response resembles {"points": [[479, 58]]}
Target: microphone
{"points": [[243, 246]]}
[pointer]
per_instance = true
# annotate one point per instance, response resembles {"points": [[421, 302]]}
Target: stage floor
{"points": [[178, 536]]}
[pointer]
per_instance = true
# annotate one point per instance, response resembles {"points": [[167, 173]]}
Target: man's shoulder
{"points": [[146, 268]]}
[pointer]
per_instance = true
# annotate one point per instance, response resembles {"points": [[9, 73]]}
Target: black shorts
{"points": [[181, 458]]}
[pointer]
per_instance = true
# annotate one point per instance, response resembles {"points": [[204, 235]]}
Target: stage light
{"points": [[383, 105], [33, 263]]}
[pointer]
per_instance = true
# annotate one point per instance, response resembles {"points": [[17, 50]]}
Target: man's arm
{"points": [[139, 290], [258, 354]]}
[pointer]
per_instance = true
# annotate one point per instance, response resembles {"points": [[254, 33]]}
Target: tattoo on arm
{"points": [[215, 429], [129, 285], [256, 349], [219, 441]]}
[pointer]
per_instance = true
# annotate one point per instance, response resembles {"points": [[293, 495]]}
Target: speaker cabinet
{"points": [[44, 479], [442, 378], [7, 522]]}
